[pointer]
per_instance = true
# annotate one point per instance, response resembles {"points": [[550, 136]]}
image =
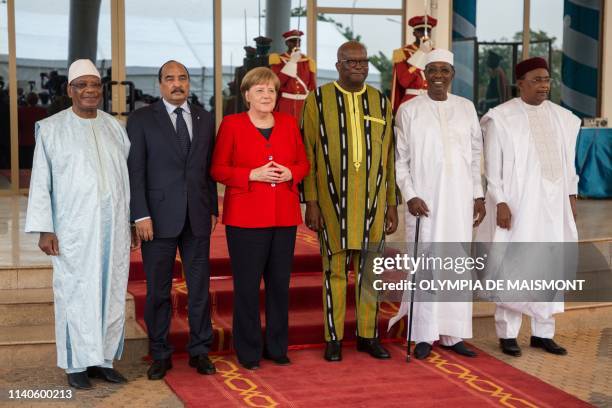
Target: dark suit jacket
{"points": [[163, 183]]}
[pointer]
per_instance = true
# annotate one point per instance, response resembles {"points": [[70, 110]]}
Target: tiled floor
{"points": [[138, 392], [585, 372]]}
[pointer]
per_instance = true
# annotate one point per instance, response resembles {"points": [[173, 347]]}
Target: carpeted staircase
{"points": [[305, 297]]}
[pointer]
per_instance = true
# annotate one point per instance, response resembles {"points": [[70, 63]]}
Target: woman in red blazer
{"points": [[260, 158]]}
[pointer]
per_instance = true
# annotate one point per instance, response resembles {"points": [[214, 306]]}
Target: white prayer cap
{"points": [[439, 55], [80, 68]]}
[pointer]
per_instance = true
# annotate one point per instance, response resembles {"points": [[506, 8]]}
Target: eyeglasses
{"points": [[539, 80], [444, 71], [80, 86], [354, 63]]}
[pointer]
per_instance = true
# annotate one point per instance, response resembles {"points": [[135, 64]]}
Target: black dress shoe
{"points": [[282, 360], [158, 369], [510, 347], [80, 381], [372, 347], [202, 364], [548, 345], [250, 365], [461, 349], [422, 351], [333, 351], [107, 374]]}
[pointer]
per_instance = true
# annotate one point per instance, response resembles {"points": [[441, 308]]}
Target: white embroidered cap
{"points": [[439, 55], [80, 68]]}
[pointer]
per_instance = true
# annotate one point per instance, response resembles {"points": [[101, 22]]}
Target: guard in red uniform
{"points": [[408, 77], [297, 74]]}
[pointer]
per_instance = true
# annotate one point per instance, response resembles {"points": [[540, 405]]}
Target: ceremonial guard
{"points": [[297, 74], [408, 62]]}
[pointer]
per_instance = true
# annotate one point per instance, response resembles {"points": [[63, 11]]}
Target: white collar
{"points": [[533, 107], [170, 107]]}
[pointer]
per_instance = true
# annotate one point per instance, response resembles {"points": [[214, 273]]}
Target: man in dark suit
{"points": [[174, 204]]}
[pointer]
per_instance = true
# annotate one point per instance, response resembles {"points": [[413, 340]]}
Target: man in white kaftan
{"points": [[439, 144], [79, 203], [531, 190]]}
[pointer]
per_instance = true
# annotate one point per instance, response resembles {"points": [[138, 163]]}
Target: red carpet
{"points": [[443, 380], [305, 306]]}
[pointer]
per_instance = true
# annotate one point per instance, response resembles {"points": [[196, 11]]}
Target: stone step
{"points": [[29, 307], [577, 316], [30, 277], [34, 346]]}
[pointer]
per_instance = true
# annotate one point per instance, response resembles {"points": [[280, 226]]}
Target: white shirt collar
{"points": [[170, 107], [533, 107]]}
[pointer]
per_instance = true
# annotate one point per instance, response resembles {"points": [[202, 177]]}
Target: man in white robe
{"points": [[439, 145], [531, 190], [79, 204]]}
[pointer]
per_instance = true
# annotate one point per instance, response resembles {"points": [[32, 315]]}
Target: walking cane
{"points": [[413, 288]]}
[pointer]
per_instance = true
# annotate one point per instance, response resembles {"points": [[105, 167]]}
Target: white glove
{"points": [[290, 68], [426, 45], [418, 59], [295, 56]]}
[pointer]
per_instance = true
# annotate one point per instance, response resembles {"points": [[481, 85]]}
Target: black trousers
{"points": [[158, 257], [257, 252]]}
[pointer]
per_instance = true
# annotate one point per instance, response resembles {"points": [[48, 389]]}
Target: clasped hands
{"points": [[272, 172]]}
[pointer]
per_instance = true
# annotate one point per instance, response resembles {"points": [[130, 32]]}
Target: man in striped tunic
{"points": [[350, 191]]}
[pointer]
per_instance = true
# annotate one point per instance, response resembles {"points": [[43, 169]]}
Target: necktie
{"points": [[182, 133]]}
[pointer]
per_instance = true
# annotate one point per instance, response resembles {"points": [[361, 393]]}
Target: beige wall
{"points": [[440, 9]]}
